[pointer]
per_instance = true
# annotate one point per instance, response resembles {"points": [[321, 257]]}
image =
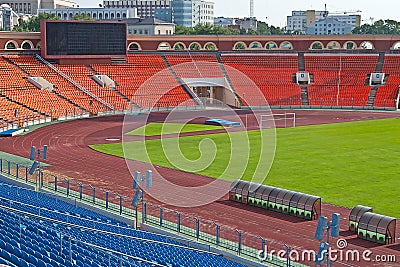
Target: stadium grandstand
{"points": [[50, 220]]}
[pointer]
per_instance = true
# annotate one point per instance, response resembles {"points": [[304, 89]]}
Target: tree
{"points": [[33, 24], [379, 27]]}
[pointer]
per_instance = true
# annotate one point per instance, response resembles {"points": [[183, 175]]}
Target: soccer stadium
{"points": [[123, 150]]}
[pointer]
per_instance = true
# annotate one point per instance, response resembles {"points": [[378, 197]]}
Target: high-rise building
{"points": [[189, 13], [31, 6], [145, 9], [183, 12], [300, 20]]}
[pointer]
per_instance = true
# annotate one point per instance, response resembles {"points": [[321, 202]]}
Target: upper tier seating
{"points": [[195, 65], [387, 95], [339, 79], [134, 80], [16, 87], [61, 85], [272, 74]]}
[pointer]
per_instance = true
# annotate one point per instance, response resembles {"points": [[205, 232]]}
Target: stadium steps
{"points": [[301, 63], [371, 96], [381, 61], [186, 88], [228, 79], [304, 95]]}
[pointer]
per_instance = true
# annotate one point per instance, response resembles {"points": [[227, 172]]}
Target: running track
{"points": [[70, 156]]}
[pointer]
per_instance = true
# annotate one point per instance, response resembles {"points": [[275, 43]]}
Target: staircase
{"points": [[300, 62], [381, 60], [371, 96], [184, 86], [304, 89], [304, 96]]}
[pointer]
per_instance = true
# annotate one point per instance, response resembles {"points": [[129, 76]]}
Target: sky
{"points": [[274, 12]]}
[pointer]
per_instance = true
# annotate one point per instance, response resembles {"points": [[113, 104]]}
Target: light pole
{"points": [[332, 229], [40, 154], [139, 194]]}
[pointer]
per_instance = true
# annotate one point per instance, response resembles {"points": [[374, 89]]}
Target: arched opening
{"points": [[210, 46], [179, 47], [317, 45], [164, 46], [11, 45], [106, 16], [112, 15], [124, 15], [195, 46], [396, 46], [27, 45], [94, 15], [239, 46], [271, 45], [286, 45], [100, 16], [350, 45], [255, 45], [70, 15], [366, 45], [118, 15], [333, 45], [134, 47], [65, 15]]}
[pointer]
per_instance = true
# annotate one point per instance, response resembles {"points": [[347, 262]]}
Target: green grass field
{"points": [[345, 163], [156, 128]]}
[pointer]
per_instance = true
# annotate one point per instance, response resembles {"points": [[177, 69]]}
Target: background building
{"points": [[145, 9], [150, 26], [243, 24], [8, 18], [31, 6], [300, 20], [95, 13], [189, 13], [329, 26], [183, 12]]}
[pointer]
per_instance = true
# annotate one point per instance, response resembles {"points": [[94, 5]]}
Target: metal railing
{"points": [[233, 240]]}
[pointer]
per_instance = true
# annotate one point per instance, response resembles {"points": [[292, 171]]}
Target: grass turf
{"points": [[345, 163], [156, 128]]}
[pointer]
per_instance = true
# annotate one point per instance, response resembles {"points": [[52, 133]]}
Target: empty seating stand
{"points": [[355, 216], [276, 199], [377, 228]]}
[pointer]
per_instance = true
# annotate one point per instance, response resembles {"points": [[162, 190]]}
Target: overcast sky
{"points": [[274, 12]]}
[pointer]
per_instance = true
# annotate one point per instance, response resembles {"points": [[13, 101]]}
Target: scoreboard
{"points": [[87, 39]]}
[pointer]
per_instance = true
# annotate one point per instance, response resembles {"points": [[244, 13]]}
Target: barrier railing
{"points": [[233, 240]]}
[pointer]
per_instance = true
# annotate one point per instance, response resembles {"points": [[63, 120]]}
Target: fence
{"points": [[233, 240]]}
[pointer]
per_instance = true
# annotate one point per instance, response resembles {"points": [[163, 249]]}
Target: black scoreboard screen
{"points": [[79, 38]]}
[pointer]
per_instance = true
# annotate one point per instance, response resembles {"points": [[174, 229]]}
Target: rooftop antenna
{"points": [[251, 8]]}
